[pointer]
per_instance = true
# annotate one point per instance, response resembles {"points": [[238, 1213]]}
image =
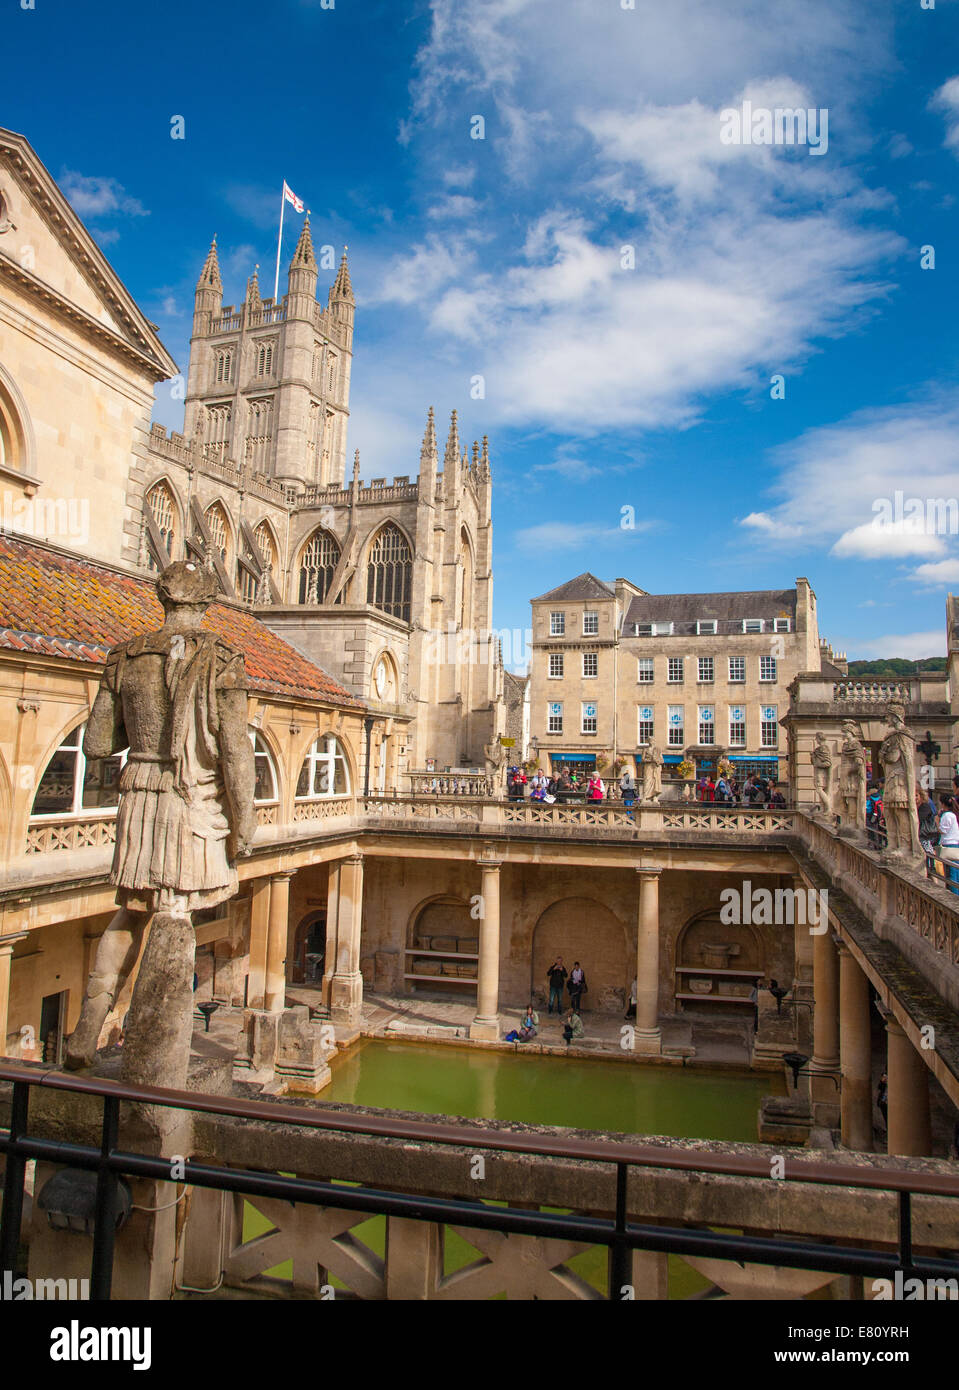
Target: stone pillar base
{"points": [[485, 1029], [649, 1041], [346, 998]]}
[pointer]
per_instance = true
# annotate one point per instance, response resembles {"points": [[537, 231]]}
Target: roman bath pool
{"points": [[621, 1097]]}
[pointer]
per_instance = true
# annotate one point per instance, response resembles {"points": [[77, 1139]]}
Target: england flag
{"points": [[291, 197]]}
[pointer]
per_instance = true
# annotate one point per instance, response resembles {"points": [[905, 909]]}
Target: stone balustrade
{"points": [[873, 692]]}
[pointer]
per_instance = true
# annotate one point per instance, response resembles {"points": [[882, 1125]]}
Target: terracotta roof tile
{"points": [[56, 605]]}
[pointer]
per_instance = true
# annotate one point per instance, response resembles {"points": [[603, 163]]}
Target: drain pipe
{"points": [[368, 723]]}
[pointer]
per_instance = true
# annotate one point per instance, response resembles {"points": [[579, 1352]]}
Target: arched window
{"points": [[224, 365], [325, 771], [390, 573], [331, 375], [320, 559], [219, 529], [251, 588], [259, 435], [163, 507], [466, 597], [265, 789], [71, 786], [218, 421], [264, 360]]}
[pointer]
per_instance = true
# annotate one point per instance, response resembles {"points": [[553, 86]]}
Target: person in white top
{"points": [[948, 829]]}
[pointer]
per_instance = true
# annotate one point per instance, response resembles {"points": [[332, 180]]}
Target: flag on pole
{"points": [[291, 197]]}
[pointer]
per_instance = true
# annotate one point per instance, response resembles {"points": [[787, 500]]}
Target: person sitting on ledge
{"points": [[573, 1027]]}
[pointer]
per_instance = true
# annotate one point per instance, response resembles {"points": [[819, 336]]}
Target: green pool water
{"points": [[622, 1097]]}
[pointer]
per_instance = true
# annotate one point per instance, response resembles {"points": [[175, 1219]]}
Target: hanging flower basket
{"points": [[686, 769]]}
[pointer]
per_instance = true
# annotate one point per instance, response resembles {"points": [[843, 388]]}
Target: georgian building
{"points": [[703, 676]]}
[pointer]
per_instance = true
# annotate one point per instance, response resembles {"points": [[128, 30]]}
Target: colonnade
{"points": [[842, 1047]]}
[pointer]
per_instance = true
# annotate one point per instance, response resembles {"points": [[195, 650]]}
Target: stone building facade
{"points": [[386, 584], [703, 676]]}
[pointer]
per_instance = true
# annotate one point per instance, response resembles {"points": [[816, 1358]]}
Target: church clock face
{"points": [[381, 678]]}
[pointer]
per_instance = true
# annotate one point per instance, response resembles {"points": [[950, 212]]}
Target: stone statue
{"points": [[898, 758], [652, 773], [495, 755], [852, 777], [177, 699], [822, 761]]}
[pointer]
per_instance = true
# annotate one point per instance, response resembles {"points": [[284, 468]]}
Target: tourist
{"points": [[754, 1000], [882, 1099], [530, 1025], [573, 1027], [776, 798], [537, 787], [631, 1011], [556, 975], [874, 818], [596, 790], [710, 791], [723, 793], [701, 789], [627, 785], [928, 824], [948, 830], [576, 984]]}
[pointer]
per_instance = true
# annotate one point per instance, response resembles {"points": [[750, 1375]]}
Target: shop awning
{"points": [[753, 758], [573, 757]]}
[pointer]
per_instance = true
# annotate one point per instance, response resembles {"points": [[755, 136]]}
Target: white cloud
{"points": [[946, 100], [417, 276], [839, 483], [99, 196], [778, 530], [914, 646], [454, 206], [551, 536], [941, 572]]}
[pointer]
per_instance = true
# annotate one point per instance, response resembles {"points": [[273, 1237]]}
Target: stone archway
{"points": [[716, 963], [584, 930]]}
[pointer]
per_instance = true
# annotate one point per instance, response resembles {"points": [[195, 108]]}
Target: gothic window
{"points": [[251, 588], [259, 435], [265, 545], [331, 376], [164, 510], [466, 597], [224, 365], [327, 442], [219, 529], [71, 786], [265, 787], [325, 771], [320, 559], [264, 359], [219, 418], [390, 573]]}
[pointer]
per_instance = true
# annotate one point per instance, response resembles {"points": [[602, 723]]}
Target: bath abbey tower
{"points": [[386, 584]]}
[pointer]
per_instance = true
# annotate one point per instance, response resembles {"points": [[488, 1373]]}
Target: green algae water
{"points": [[617, 1097]]}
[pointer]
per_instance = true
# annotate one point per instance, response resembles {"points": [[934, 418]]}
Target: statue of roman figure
{"points": [[176, 698], [652, 773], [852, 776], [495, 756], [897, 755], [822, 765]]}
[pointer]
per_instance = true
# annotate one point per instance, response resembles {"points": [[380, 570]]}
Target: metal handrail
{"points": [[617, 1234]]}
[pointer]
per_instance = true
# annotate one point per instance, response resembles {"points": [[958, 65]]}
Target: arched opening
{"points": [[218, 526], [466, 596], [318, 563], [584, 930], [309, 949], [325, 770], [266, 789], [390, 572], [70, 786], [716, 964], [442, 949]]}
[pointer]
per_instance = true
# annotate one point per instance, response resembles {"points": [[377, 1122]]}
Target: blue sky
{"points": [[607, 385]]}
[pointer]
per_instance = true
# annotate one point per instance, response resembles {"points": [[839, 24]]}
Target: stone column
{"points": [[346, 986], [6, 959], [259, 938], [909, 1126], [855, 1053], [275, 999], [823, 1090], [332, 911], [486, 1023], [646, 1035]]}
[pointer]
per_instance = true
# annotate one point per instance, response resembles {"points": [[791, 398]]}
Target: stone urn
{"points": [[718, 955]]}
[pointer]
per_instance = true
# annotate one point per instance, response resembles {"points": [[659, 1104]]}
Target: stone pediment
{"points": [[48, 254]]}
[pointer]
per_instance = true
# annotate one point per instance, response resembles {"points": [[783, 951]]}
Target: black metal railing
{"points": [[617, 1233]]}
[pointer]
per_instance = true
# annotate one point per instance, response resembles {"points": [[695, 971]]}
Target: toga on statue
{"points": [[176, 699], [652, 766], [897, 756], [852, 776], [822, 761]]}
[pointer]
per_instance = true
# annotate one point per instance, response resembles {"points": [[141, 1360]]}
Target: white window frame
{"points": [[705, 724], [754, 624], [592, 657], [557, 624], [706, 627], [556, 659], [764, 663], [591, 718], [332, 753], [741, 665], [644, 664], [558, 718], [591, 623], [769, 730], [670, 662], [73, 743], [737, 740], [675, 729], [645, 731], [705, 663], [264, 752], [782, 625]]}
